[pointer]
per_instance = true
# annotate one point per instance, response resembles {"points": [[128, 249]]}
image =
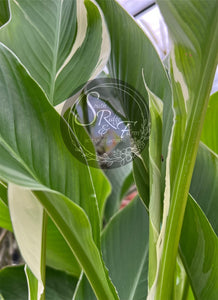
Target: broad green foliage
{"points": [[125, 253], [66, 214], [128, 265], [134, 60], [64, 55], [35, 157], [30, 155], [14, 284], [193, 62]]}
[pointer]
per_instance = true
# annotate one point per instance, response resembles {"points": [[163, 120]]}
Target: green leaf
{"points": [[73, 225], [32, 284], [141, 176], [5, 220], [199, 252], [29, 222], [129, 55], [120, 179], [4, 12], [75, 228], [12, 170], [204, 184], [26, 118], [58, 253], [83, 290], [155, 161], [209, 134], [193, 62], [134, 60], [27, 214], [204, 189], [62, 43], [181, 282], [59, 285], [3, 192], [13, 283], [125, 252]]}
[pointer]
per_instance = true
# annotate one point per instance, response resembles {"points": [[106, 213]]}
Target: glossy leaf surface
{"points": [[26, 118], [56, 41]]}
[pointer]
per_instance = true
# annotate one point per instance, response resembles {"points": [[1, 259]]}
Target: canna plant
{"points": [[64, 212]]}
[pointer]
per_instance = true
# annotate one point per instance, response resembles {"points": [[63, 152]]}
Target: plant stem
{"points": [[43, 251], [179, 195]]}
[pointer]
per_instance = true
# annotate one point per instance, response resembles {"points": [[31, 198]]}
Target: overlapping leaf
{"points": [[199, 251], [58, 253], [74, 225], [14, 284], [5, 221], [204, 185], [193, 63], [125, 252], [33, 147], [121, 179], [209, 133], [30, 131], [4, 12], [29, 222], [155, 161], [134, 60], [62, 43]]}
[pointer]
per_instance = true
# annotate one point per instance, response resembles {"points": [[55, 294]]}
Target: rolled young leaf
{"points": [[155, 161], [193, 63]]}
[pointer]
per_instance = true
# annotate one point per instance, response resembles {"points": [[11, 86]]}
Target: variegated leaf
{"points": [[62, 43]]}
